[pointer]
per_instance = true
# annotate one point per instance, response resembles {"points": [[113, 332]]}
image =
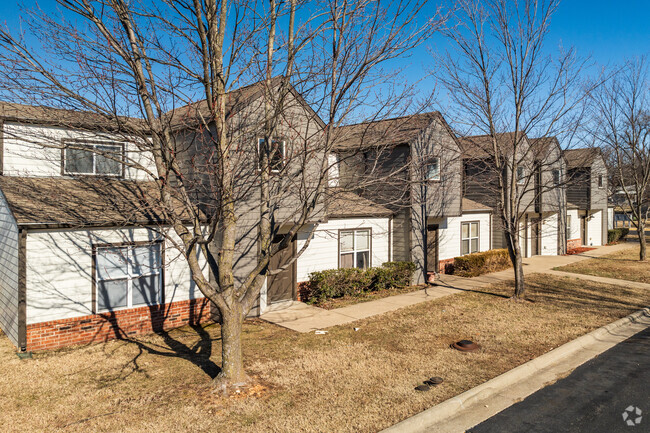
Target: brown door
{"points": [[432, 248], [534, 237], [281, 287], [583, 231]]}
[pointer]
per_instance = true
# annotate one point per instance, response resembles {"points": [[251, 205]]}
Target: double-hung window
{"points": [[600, 181], [556, 177], [469, 238], [275, 152], [354, 248], [128, 276], [102, 159], [433, 169], [568, 227]]}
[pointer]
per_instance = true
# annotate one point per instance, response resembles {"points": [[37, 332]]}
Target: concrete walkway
{"points": [[301, 317]]}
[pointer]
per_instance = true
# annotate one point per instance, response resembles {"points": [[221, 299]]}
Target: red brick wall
{"points": [[446, 266], [573, 243], [119, 324]]}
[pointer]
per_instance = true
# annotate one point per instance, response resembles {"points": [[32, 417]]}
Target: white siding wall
{"points": [[8, 272], [59, 271], [449, 234], [322, 252], [575, 224], [595, 229], [30, 150], [549, 235]]}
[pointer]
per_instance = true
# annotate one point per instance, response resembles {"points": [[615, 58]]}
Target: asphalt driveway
{"points": [[592, 398]]}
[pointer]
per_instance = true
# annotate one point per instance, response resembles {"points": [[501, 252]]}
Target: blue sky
{"points": [[608, 31]]}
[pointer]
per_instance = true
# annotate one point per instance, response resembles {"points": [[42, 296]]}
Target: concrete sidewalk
{"points": [[301, 317]]}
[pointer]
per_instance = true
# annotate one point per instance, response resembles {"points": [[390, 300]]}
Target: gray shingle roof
{"points": [[388, 132], [342, 204], [581, 157], [84, 203], [471, 205]]}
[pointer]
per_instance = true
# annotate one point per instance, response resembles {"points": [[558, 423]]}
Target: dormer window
{"points": [[94, 159], [433, 169], [276, 154]]}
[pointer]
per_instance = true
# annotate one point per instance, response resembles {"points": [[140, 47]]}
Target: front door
{"points": [[583, 230], [432, 248], [534, 237], [281, 287]]}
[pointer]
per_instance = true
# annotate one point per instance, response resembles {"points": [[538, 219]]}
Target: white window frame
{"points": [[521, 179], [355, 251], [470, 237], [284, 154], [568, 227], [131, 275], [437, 176], [92, 145], [601, 181]]}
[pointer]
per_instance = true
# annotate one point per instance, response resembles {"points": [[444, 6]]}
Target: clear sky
{"points": [[609, 31]]}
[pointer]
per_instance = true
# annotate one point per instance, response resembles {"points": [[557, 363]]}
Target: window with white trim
{"points": [[556, 177], [600, 181], [93, 159], [354, 248], [520, 175], [128, 276], [568, 227], [469, 242], [276, 154], [433, 169]]}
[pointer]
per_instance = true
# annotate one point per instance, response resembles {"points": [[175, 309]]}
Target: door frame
{"points": [[434, 228]]}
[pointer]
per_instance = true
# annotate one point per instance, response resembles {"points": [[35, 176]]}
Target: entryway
{"points": [[432, 248], [282, 287]]}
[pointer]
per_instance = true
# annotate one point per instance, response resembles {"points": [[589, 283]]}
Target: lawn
{"points": [[342, 381], [622, 265]]}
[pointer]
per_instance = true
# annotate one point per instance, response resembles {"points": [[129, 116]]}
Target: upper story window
{"points": [[128, 276], [600, 181], [433, 169], [521, 175], [354, 248], [276, 153], [556, 177], [100, 159]]}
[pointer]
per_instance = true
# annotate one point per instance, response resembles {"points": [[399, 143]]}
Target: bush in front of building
{"points": [[616, 235], [336, 283], [473, 265]]}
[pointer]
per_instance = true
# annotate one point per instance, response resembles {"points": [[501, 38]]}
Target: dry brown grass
{"points": [[622, 265], [338, 382]]}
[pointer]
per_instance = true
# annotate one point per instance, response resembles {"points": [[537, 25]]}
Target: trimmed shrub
{"points": [[473, 265], [616, 235], [336, 283]]}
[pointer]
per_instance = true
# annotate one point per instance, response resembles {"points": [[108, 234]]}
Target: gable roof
{"points": [[236, 100], [581, 157], [345, 204], [42, 115], [388, 132], [480, 146], [57, 202]]}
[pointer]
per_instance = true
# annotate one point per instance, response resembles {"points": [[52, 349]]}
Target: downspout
{"points": [[22, 292]]}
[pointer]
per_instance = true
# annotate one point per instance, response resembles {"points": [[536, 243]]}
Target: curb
{"points": [[448, 408]]}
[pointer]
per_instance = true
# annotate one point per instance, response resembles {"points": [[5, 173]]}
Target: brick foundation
{"points": [[573, 243], [116, 325], [446, 266]]}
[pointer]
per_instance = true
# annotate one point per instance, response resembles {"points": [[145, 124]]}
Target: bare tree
{"points": [[505, 90], [621, 126], [249, 165]]}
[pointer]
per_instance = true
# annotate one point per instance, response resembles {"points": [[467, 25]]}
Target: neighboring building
{"points": [[82, 258], [540, 190], [412, 166], [587, 215]]}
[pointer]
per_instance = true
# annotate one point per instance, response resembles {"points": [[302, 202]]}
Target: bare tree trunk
{"points": [[232, 367], [514, 249], [642, 240]]}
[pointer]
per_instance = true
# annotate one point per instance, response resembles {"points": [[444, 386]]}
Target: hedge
{"points": [[616, 235], [472, 265], [336, 283]]}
